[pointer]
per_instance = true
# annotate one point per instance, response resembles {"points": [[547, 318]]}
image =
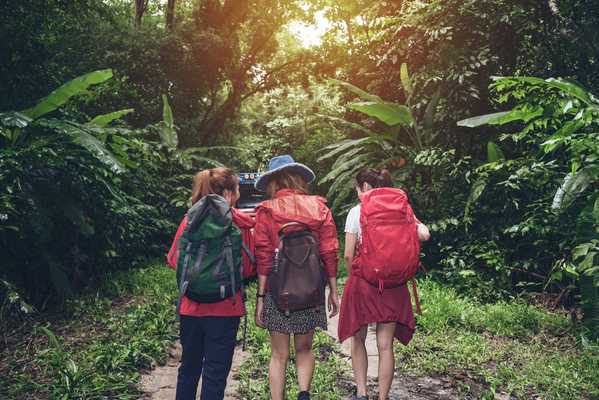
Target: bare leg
{"points": [[384, 342], [279, 343], [359, 359], [304, 359]]}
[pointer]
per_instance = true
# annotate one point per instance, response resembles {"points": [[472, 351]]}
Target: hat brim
{"points": [[298, 168]]}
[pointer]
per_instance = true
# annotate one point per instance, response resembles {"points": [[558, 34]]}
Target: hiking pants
{"points": [[208, 345]]}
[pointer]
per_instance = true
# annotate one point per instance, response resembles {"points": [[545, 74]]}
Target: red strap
{"points": [[416, 299]]}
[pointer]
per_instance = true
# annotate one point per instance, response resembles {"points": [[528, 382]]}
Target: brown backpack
{"points": [[297, 279]]}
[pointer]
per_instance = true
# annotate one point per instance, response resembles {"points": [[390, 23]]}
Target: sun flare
{"points": [[310, 35]]}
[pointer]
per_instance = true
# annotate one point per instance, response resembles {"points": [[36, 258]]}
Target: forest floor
{"points": [[118, 342]]}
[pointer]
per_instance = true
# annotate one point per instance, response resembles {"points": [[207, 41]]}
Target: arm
{"points": [[350, 250], [173, 253], [329, 253], [329, 245], [263, 246], [263, 253], [423, 232]]}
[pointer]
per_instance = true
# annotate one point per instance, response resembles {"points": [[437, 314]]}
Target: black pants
{"points": [[208, 345]]}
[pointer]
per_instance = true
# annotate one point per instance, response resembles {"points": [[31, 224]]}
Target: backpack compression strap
{"points": [[186, 275]]}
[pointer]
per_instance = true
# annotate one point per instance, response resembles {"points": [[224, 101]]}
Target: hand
{"points": [[259, 309], [333, 303]]}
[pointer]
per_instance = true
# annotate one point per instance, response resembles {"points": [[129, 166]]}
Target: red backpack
{"points": [[389, 253]]}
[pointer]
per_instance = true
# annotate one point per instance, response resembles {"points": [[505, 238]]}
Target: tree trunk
{"points": [[170, 14], [140, 8]]}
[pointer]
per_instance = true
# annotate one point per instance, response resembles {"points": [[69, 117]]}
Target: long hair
{"points": [[286, 179], [214, 180], [375, 178]]}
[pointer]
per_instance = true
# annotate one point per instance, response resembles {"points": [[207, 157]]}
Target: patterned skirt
{"points": [[300, 322]]}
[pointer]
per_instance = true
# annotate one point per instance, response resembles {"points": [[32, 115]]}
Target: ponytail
{"points": [[213, 181], [375, 178]]}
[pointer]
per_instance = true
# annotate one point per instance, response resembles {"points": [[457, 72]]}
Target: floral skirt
{"points": [[301, 321]]}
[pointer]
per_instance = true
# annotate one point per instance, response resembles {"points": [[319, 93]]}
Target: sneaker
{"points": [[303, 396]]}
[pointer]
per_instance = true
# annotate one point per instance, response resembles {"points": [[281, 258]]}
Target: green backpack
{"points": [[209, 266]]}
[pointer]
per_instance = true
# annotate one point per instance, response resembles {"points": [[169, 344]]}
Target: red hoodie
{"points": [[292, 206], [227, 307]]}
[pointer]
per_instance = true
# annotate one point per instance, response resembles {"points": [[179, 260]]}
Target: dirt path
{"points": [[161, 382], [404, 387]]}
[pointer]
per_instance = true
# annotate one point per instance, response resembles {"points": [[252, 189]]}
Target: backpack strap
{"points": [[228, 253], [200, 257], [416, 299], [184, 278], [293, 223], [248, 253]]}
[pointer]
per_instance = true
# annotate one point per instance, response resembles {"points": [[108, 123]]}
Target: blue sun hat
{"points": [[280, 163]]}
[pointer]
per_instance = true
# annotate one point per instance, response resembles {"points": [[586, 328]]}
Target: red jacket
{"points": [[227, 307], [292, 206]]}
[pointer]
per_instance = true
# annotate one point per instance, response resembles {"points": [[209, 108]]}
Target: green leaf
{"points": [[431, 108], [103, 120], [61, 95], [572, 186], [81, 135], [567, 87], [167, 113], [494, 152], [405, 79], [343, 146], [486, 119], [477, 189], [356, 90], [166, 129], [389, 113], [518, 115], [347, 123], [557, 139], [14, 120]]}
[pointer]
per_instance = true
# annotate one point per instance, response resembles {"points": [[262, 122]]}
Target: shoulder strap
{"points": [[292, 223]]}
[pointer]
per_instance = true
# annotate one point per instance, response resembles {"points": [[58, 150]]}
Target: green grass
{"points": [[509, 346], [253, 376], [97, 349]]}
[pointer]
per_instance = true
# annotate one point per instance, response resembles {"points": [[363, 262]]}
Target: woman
{"points": [[286, 185], [364, 304], [208, 331]]}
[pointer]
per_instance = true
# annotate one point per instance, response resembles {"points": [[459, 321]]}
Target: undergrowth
{"points": [[509, 347], [96, 350]]}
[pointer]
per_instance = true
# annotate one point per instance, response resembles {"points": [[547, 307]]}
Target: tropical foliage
{"points": [[66, 182], [553, 136], [485, 112]]}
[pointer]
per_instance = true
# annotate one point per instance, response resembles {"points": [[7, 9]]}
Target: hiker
{"points": [[296, 255], [209, 317], [367, 297]]}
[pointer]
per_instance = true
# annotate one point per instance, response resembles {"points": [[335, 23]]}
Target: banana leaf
{"points": [[103, 120], [405, 79], [61, 95], [389, 113], [356, 90], [494, 152]]}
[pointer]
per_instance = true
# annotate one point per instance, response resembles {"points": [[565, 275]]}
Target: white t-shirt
{"points": [[352, 223]]}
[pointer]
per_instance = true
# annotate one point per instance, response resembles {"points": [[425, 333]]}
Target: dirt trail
{"points": [[404, 387], [161, 382]]}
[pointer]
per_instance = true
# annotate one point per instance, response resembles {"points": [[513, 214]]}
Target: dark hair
{"points": [[214, 180], [375, 178]]}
